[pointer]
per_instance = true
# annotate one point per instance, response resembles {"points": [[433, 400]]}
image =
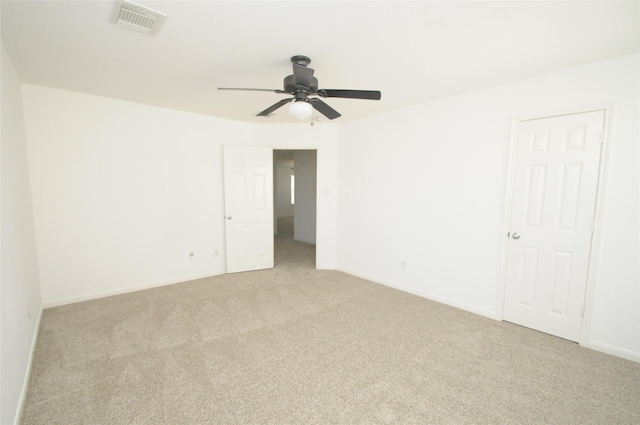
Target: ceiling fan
{"points": [[303, 86]]}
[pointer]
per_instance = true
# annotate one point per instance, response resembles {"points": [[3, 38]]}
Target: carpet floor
{"points": [[296, 345]]}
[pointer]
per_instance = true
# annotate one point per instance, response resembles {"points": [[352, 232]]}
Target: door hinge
{"points": [[583, 308], [602, 137], [593, 226]]}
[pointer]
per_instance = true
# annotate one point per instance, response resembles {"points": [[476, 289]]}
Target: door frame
{"points": [[319, 217], [599, 206]]}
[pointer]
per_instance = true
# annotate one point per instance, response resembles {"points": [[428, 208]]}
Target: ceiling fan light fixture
{"points": [[301, 84], [300, 109]]}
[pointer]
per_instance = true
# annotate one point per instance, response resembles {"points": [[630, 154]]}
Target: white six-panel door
{"points": [[248, 193], [551, 224]]}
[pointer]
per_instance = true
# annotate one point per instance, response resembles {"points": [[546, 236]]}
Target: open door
{"points": [[248, 198]]}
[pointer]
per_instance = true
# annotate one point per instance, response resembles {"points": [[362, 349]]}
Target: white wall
{"points": [[21, 304], [421, 200], [304, 219], [123, 191]]}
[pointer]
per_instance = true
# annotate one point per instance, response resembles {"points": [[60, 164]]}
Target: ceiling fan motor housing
{"points": [[290, 87], [302, 84]]}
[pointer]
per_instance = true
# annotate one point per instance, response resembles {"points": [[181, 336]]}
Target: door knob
{"points": [[516, 235], [229, 217]]}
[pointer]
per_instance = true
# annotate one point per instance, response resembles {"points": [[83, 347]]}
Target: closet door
{"points": [[552, 221]]}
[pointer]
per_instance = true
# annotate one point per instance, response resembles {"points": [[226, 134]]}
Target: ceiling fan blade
{"points": [[324, 109], [351, 94], [273, 107], [302, 76], [247, 89]]}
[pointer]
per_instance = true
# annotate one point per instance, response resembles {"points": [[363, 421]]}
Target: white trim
{"points": [[304, 241], [504, 246], [596, 235], [87, 297], [565, 111], [612, 350], [427, 295], [604, 154], [25, 384], [305, 147]]}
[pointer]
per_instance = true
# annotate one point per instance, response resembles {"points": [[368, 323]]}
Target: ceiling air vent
{"points": [[136, 17]]}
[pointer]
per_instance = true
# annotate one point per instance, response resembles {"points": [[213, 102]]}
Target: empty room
{"points": [[320, 212]]}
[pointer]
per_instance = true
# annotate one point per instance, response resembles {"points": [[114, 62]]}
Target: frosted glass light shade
{"points": [[300, 109]]}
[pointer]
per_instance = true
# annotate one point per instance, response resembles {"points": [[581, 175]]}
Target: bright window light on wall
{"points": [[293, 189]]}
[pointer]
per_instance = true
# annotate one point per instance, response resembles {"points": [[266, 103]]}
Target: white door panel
{"points": [[248, 181], [552, 211]]}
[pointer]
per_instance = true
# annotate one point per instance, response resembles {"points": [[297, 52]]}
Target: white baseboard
{"points": [[594, 345], [614, 351], [430, 296], [305, 241], [27, 376], [86, 297]]}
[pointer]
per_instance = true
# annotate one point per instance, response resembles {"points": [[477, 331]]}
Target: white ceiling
{"points": [[413, 52]]}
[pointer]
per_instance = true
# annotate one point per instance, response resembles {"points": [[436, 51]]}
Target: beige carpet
{"points": [[295, 345]]}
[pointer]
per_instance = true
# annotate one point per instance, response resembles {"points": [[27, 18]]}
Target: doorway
{"points": [[295, 193], [552, 217]]}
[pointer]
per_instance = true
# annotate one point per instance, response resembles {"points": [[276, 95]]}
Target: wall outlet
{"points": [[403, 265], [192, 254], [216, 253]]}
